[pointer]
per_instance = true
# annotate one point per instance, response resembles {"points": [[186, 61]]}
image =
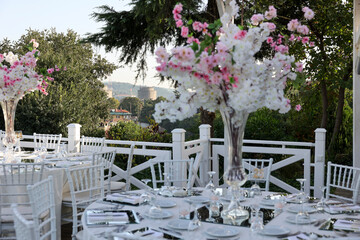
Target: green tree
{"points": [[113, 103], [76, 95], [132, 104], [149, 109]]}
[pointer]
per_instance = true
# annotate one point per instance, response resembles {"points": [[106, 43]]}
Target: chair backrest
{"points": [[92, 144], [24, 229], [128, 167], [105, 159], [258, 170], [342, 177], [49, 141], [14, 179], [177, 172], [86, 186], [42, 202]]}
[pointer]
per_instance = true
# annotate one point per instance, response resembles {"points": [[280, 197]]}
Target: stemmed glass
{"points": [[19, 136], [146, 197], [320, 206], [195, 222], [210, 186], [302, 217]]}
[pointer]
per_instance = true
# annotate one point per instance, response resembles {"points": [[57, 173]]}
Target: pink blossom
{"points": [[292, 37], [216, 78], [299, 66], [271, 26], [298, 107], [256, 19], [269, 40], [177, 17], [179, 23], [311, 44], [178, 8], [240, 34], [293, 24], [279, 41], [303, 29], [184, 31], [197, 26], [287, 102], [308, 13], [35, 44], [161, 54], [221, 47], [50, 70], [1, 58], [305, 40], [65, 68], [271, 13]]}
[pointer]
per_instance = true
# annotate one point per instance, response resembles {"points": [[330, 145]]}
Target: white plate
{"points": [[297, 208], [198, 199], [274, 231], [268, 202], [162, 215], [179, 224], [223, 231], [292, 219], [163, 203]]}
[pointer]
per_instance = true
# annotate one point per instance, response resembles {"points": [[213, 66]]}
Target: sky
{"points": [[18, 15]]}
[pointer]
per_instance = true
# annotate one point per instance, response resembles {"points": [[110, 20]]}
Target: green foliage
{"points": [[113, 103], [76, 95], [149, 109], [132, 104]]}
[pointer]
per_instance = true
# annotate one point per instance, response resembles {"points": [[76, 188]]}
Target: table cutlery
{"points": [[319, 222], [170, 230]]}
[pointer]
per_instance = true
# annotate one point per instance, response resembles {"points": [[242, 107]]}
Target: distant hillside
{"points": [[120, 89]]}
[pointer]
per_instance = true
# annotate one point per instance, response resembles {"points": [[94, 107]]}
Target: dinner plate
{"points": [[292, 219], [274, 231], [198, 199], [223, 231], [160, 215], [179, 224], [268, 202], [164, 203], [297, 208]]}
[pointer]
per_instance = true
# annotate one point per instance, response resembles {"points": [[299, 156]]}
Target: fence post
{"points": [[205, 163], [178, 151], [73, 137], [319, 171]]}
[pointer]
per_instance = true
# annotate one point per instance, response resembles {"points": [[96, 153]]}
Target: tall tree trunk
{"points": [[339, 110], [325, 104]]}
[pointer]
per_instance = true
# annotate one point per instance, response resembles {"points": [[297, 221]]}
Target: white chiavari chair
{"points": [[24, 229], [49, 141], [259, 170], [91, 144], [86, 186], [42, 202]]}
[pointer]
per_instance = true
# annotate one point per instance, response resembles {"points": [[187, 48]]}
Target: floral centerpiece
{"points": [[17, 78], [219, 71]]}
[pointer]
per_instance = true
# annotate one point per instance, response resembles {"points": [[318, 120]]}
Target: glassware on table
{"points": [[165, 190], [195, 222], [210, 186], [257, 221], [145, 196], [279, 205], [62, 152], [214, 208], [184, 212], [257, 174], [19, 136], [302, 217], [320, 206]]}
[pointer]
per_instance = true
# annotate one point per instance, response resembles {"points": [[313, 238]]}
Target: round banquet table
{"points": [[103, 232], [56, 168]]}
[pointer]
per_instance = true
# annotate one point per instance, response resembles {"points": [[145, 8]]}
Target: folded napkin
{"points": [[179, 193], [131, 199], [100, 217], [339, 208], [291, 198], [347, 225]]}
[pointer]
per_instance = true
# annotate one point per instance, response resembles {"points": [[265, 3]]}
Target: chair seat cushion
{"points": [[117, 185], [80, 235]]}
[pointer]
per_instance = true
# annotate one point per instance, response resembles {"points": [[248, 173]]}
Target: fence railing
{"points": [[207, 151]]}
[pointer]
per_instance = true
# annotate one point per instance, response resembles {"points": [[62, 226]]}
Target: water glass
{"points": [[184, 212], [257, 221], [279, 205]]}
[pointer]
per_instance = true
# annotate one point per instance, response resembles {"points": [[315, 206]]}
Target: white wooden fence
{"points": [[207, 151]]}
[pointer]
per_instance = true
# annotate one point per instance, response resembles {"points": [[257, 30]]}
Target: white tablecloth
{"points": [[60, 183], [92, 233]]}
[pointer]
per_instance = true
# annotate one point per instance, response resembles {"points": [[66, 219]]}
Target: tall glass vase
{"points": [[234, 176], [9, 140]]}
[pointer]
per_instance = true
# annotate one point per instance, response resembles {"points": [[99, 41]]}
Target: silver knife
{"points": [[170, 230]]}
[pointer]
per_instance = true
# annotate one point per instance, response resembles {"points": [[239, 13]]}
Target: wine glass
{"points": [[19, 137], [145, 196], [210, 186], [62, 153], [257, 174], [320, 206], [302, 217], [195, 222]]}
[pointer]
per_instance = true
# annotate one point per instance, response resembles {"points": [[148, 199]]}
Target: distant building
{"points": [[146, 93], [108, 91], [117, 115]]}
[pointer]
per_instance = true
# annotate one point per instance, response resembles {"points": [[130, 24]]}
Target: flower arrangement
{"points": [[18, 76], [220, 70]]}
